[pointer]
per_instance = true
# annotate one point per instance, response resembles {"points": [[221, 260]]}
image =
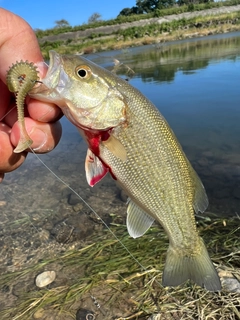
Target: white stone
{"points": [[45, 278]]}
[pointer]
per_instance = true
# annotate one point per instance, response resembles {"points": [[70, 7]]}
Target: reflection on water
{"points": [[160, 64]]}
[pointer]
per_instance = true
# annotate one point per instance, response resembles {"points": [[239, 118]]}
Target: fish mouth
{"points": [[48, 90], [55, 60], [52, 77]]}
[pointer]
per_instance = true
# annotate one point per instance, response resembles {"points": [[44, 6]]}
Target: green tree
{"points": [[94, 17], [129, 11], [61, 23], [192, 2], [148, 6]]}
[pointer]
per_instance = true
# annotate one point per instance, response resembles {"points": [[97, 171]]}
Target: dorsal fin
{"points": [[95, 169], [138, 221]]}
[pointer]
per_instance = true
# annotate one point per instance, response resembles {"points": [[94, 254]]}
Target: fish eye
{"points": [[83, 72]]}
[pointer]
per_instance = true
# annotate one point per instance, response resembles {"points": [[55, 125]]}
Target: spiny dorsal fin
{"points": [[95, 169], [138, 221], [115, 147]]}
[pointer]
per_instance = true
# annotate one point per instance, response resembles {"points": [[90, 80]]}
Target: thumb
{"points": [[17, 42]]}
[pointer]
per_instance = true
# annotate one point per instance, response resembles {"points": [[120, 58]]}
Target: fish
{"points": [[128, 138]]}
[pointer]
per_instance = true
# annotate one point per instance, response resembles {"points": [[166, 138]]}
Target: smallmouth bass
{"points": [[128, 137]]}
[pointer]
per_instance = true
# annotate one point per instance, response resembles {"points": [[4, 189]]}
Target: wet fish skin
{"points": [[128, 136]]}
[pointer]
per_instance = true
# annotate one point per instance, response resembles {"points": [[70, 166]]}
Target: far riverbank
{"points": [[143, 32]]}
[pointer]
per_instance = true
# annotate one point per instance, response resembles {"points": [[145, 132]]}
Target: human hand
{"points": [[18, 42]]}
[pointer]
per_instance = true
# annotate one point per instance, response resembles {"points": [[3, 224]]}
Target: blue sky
{"points": [[42, 14]]}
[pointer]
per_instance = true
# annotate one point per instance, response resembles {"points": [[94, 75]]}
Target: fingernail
{"points": [[39, 138], [42, 68]]}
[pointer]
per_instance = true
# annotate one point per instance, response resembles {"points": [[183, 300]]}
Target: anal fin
{"points": [[138, 221]]}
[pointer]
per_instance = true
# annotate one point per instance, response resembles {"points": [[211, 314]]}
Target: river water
{"points": [[195, 85]]}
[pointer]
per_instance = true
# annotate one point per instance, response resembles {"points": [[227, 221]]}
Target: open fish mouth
{"points": [[53, 76], [54, 81]]}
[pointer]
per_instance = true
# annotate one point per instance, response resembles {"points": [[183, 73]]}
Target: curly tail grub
{"points": [[21, 78]]}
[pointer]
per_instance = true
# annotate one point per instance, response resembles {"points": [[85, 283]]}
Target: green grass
{"points": [[105, 270], [131, 18], [153, 33]]}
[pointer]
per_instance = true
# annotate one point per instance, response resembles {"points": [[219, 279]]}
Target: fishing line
{"points": [[117, 66], [89, 207], [97, 215], [7, 113]]}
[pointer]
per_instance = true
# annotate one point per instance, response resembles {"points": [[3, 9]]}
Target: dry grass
{"points": [[124, 288], [175, 35]]}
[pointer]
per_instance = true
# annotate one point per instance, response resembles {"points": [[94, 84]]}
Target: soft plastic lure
{"points": [[21, 78]]}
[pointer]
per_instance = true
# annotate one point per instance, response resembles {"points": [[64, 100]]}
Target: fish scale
{"points": [[138, 170], [128, 137]]}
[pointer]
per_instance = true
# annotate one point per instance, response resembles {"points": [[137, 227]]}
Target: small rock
{"points": [[63, 232], [39, 314], [229, 280], [44, 235], [123, 196], [73, 199], [231, 285], [78, 207], [45, 278], [155, 317], [84, 314]]}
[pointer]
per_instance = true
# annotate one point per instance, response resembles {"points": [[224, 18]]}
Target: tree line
{"points": [[149, 6]]}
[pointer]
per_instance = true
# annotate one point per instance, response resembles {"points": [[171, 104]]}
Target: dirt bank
{"points": [[107, 30]]}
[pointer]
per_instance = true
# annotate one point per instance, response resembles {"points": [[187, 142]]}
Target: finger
{"points": [[16, 33], [44, 112], [9, 160], [45, 136], [11, 116], [5, 99]]}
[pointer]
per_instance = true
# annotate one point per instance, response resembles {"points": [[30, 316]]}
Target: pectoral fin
{"points": [[138, 221], [95, 169], [115, 147]]}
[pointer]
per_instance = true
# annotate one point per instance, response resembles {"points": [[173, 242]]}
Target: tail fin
{"points": [[198, 267]]}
